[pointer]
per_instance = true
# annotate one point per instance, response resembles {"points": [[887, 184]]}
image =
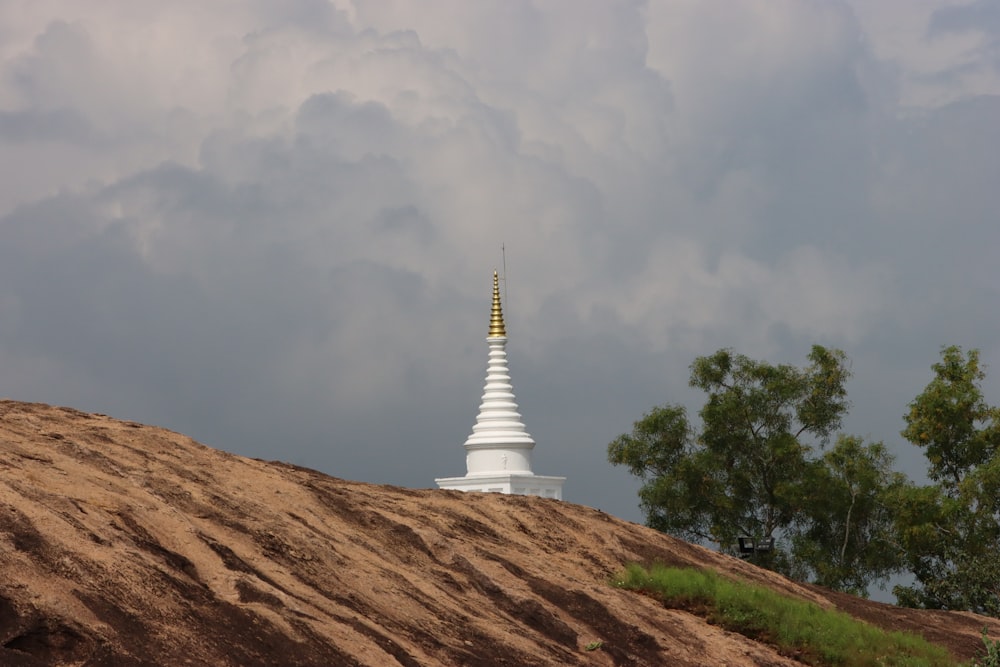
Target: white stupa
{"points": [[498, 453]]}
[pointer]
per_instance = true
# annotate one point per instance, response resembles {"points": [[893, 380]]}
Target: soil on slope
{"points": [[125, 544]]}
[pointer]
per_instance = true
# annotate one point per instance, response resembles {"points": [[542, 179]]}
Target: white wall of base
{"points": [[499, 460], [512, 484]]}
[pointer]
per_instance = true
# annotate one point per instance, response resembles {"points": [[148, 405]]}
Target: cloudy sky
{"points": [[272, 224]]}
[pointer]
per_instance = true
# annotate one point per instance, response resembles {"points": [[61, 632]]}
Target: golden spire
{"points": [[496, 316]]}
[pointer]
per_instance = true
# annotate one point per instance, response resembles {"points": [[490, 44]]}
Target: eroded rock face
{"points": [[124, 544]]}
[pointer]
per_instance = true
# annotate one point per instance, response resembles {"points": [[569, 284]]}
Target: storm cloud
{"points": [[272, 225]]}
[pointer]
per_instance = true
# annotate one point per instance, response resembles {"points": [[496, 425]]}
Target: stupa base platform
{"points": [[510, 483]]}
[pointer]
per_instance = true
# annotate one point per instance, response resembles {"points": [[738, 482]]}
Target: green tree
{"points": [[844, 537], [951, 420], [661, 451], [742, 475], [950, 531]]}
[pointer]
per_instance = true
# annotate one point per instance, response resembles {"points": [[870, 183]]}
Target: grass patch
{"points": [[796, 628]]}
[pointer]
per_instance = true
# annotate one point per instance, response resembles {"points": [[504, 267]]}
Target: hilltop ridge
{"points": [[127, 544]]}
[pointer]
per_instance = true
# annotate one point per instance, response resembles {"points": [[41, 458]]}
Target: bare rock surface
{"points": [[125, 544]]}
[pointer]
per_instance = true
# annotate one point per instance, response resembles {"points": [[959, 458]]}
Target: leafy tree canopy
{"points": [[949, 532], [759, 467], [844, 536], [742, 474]]}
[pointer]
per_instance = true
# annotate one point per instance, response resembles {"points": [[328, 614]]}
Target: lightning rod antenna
{"points": [[503, 252]]}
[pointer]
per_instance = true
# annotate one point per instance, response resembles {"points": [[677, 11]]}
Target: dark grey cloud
{"points": [[981, 19], [58, 125], [979, 16], [272, 226]]}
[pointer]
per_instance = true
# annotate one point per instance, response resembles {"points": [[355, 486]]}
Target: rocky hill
{"points": [[125, 544]]}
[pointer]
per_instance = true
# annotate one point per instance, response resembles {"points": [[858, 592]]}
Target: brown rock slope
{"points": [[124, 544]]}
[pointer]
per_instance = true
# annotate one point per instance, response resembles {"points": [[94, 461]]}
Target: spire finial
{"points": [[497, 329]]}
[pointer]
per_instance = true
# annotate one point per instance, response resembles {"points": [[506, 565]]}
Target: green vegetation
{"points": [[593, 646], [949, 531], [753, 471], [761, 466], [991, 653], [809, 633], [738, 476]]}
